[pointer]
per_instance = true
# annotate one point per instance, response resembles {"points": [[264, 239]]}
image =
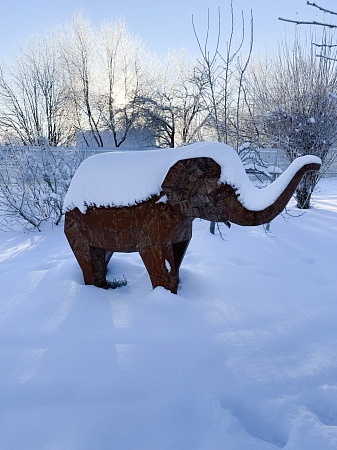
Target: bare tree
{"points": [[34, 104], [159, 113], [222, 70], [173, 105], [124, 74], [78, 58], [106, 69]]}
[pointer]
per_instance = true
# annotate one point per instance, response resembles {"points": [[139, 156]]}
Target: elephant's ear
{"points": [[189, 183]]}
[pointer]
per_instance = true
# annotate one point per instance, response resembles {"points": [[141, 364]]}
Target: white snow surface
{"points": [[127, 178], [243, 358]]}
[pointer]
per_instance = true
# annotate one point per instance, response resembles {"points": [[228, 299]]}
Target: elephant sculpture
{"points": [[146, 201]]}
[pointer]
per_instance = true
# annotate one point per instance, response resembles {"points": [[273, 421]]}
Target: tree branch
{"points": [[326, 57], [324, 45], [313, 22], [321, 8]]}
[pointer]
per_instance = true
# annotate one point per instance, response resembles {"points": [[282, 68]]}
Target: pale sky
{"points": [[162, 24]]}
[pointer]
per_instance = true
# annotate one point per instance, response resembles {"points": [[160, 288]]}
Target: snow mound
{"points": [[128, 178]]}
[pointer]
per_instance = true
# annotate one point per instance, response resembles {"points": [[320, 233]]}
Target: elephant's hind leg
{"points": [[93, 262], [99, 260], [161, 266]]}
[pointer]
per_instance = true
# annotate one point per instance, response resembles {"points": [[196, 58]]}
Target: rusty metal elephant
{"points": [[159, 227]]}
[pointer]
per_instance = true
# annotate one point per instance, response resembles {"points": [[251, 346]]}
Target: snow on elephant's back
{"points": [[130, 177]]}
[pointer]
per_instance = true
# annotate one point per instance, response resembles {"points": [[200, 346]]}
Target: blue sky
{"points": [[163, 24]]}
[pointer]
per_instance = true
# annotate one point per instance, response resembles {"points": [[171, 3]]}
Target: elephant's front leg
{"points": [[160, 263]]}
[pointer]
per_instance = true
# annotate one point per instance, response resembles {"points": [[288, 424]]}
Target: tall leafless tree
{"points": [[34, 101], [222, 69], [124, 74], [78, 58]]}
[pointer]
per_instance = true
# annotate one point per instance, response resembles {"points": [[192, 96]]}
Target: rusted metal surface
{"points": [[161, 231], [155, 230]]}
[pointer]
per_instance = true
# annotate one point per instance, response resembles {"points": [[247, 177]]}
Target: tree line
{"points": [[80, 78]]}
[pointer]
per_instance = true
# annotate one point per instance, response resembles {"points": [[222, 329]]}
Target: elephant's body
{"points": [[154, 229], [160, 227]]}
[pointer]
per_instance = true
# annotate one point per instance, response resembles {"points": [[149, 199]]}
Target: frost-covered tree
{"points": [[78, 55], [33, 183], [296, 110], [34, 100], [124, 59], [105, 69], [78, 78]]}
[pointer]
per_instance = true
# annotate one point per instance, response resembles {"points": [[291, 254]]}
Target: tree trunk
{"points": [[305, 189]]}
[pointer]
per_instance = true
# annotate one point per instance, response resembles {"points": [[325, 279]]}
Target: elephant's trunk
{"points": [[260, 206]]}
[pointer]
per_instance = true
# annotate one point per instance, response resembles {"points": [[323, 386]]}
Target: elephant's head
{"points": [[198, 187]]}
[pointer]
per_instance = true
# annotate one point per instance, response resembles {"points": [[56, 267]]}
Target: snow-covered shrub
{"points": [[33, 183], [117, 283], [257, 169]]}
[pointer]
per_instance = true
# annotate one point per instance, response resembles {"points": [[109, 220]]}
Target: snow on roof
{"points": [[127, 178]]}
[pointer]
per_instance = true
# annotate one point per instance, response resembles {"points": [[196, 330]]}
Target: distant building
{"points": [[140, 139]]}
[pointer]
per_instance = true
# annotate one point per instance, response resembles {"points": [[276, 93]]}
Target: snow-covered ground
{"points": [[243, 358]]}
